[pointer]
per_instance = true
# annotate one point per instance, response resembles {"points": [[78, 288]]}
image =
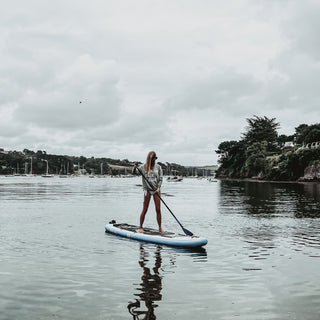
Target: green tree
{"points": [[256, 158], [232, 158], [307, 134], [313, 134], [225, 150], [262, 129], [300, 133]]}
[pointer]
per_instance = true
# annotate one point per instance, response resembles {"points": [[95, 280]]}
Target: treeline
{"points": [[27, 161], [262, 153]]}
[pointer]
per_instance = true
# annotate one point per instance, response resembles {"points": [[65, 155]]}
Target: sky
{"points": [[120, 78]]}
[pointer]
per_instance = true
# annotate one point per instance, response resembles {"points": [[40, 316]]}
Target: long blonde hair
{"points": [[149, 165]]}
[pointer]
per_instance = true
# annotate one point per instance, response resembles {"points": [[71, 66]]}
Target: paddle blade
{"points": [[187, 232]]}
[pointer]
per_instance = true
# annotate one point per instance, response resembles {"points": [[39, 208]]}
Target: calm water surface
{"points": [[262, 260]]}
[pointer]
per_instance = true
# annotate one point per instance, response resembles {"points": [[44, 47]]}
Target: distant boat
{"points": [[17, 174], [91, 175], [174, 179], [64, 173], [47, 175], [129, 175], [101, 172]]}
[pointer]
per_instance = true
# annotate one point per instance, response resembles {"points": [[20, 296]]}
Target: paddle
{"points": [[186, 231]]}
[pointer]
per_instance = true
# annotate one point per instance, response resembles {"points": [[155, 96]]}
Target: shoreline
{"points": [[269, 181]]}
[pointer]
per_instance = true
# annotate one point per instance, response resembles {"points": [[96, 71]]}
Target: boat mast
{"points": [[31, 166]]}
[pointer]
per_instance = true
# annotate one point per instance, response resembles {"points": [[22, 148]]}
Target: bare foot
{"points": [[141, 230], [161, 230]]}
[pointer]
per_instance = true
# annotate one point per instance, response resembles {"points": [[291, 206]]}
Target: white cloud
{"points": [[178, 77]]}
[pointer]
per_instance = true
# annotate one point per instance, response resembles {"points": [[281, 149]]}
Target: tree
{"points": [[261, 129], [232, 158], [256, 158], [313, 133], [225, 149], [300, 133], [307, 134]]}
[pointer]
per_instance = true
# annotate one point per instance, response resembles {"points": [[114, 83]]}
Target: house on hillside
{"points": [[288, 146]]}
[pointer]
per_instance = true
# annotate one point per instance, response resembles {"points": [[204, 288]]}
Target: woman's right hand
{"points": [[136, 163]]}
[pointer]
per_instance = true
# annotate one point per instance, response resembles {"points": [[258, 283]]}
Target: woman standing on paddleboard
{"points": [[151, 183]]}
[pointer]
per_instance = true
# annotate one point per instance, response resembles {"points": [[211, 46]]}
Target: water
{"points": [[262, 260]]}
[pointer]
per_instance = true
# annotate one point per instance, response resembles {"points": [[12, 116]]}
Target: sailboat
{"points": [[175, 178], [101, 175], [30, 172], [25, 174], [63, 174], [17, 174], [47, 175]]}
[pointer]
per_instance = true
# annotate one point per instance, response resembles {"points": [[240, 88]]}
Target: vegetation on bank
{"points": [[263, 154], [27, 161]]}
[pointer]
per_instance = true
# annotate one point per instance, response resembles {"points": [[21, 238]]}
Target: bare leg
{"points": [[158, 210], [144, 210]]}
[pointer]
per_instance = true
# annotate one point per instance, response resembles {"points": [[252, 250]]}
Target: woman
{"points": [[154, 176]]}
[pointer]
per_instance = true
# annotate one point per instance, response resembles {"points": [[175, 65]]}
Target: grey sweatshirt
{"points": [[154, 178]]}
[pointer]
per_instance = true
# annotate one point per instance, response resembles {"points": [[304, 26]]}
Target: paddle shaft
{"points": [[186, 231]]}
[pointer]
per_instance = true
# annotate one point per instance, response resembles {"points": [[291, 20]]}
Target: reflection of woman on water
{"points": [[150, 290]]}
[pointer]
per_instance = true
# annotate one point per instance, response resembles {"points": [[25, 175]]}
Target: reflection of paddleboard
{"points": [[154, 236]]}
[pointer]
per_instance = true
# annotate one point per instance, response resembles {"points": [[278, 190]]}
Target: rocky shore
{"points": [[311, 173]]}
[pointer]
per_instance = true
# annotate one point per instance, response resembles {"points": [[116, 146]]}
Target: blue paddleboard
{"points": [[154, 236]]}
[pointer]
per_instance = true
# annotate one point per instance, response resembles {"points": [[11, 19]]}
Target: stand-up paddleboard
{"points": [[154, 236]]}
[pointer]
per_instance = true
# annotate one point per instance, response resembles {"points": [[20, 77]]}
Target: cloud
{"points": [[8, 127], [177, 77], [292, 84], [301, 28], [82, 95], [227, 91]]}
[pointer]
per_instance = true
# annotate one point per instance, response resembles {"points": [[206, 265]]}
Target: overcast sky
{"points": [[119, 78]]}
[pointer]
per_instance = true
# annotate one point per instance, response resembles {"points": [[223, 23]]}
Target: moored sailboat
{"points": [[47, 175]]}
